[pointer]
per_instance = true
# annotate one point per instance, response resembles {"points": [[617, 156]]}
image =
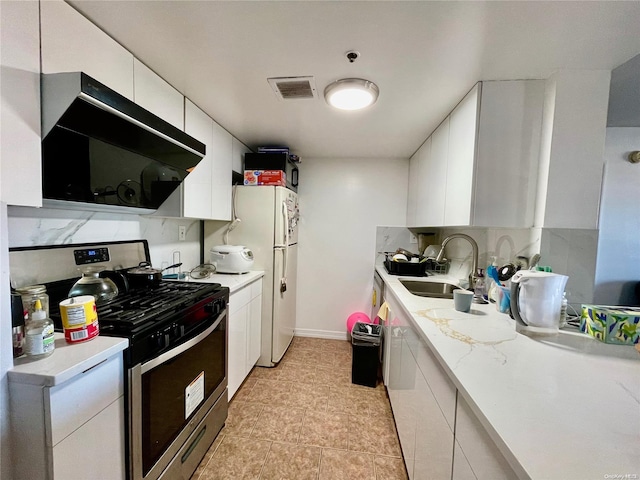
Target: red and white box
{"points": [[265, 177]]}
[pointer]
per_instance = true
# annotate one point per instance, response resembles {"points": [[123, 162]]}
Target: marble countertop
{"points": [[235, 281], [564, 406], [66, 361]]}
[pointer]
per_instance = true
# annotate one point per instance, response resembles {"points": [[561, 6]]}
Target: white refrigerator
{"points": [[269, 227]]}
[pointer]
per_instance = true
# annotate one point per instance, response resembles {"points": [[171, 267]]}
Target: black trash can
{"points": [[365, 341]]}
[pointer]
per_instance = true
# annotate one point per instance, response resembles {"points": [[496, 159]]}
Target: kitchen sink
{"points": [[430, 289]]}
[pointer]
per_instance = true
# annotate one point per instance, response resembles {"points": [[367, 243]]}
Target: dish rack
{"points": [[423, 268], [441, 268]]}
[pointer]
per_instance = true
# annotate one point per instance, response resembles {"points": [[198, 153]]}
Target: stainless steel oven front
{"points": [[178, 399]]}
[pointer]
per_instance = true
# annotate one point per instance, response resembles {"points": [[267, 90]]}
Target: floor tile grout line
{"points": [[264, 462]]}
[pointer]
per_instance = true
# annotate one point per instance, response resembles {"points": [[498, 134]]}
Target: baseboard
{"points": [[330, 334]]}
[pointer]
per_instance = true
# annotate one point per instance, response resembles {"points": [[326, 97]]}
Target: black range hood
{"points": [[102, 151]]}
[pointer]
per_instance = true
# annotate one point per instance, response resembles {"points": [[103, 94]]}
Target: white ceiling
{"points": [[423, 55]]}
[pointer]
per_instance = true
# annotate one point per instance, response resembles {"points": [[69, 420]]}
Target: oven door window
{"points": [[165, 406]]}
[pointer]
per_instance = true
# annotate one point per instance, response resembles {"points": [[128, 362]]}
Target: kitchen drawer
{"points": [[239, 299], [84, 454], [443, 389], [256, 288], [242, 297], [73, 403]]}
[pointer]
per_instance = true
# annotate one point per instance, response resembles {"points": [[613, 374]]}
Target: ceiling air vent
{"points": [[293, 88]]}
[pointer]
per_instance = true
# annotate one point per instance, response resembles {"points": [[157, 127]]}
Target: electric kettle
{"points": [[536, 300]]}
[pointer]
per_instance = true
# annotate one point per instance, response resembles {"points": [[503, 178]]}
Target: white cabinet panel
{"points": [[434, 437], [483, 456], [460, 160], [71, 43], [443, 390], [73, 403], [196, 189], [20, 157], [245, 328], [154, 94], [492, 138], [412, 191], [221, 155], [82, 455], [71, 430], [405, 410], [461, 468], [434, 177], [426, 435], [237, 342], [508, 149], [254, 331]]}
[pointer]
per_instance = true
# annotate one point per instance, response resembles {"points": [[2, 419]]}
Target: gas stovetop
{"points": [[142, 308]]}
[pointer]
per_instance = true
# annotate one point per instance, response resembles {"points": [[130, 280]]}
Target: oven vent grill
{"points": [[293, 88]]}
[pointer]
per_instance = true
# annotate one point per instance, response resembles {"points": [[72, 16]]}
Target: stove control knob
{"points": [[177, 330], [157, 341], [212, 308]]}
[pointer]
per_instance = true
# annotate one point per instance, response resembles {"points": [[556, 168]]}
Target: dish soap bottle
{"points": [[39, 339], [480, 288]]}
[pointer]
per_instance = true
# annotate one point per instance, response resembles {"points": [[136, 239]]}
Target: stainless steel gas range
{"points": [[176, 362]]}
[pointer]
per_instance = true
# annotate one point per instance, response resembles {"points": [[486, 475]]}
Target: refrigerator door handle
{"points": [[283, 279]]}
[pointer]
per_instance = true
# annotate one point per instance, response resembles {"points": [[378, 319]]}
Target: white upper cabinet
{"points": [[196, 188], [460, 160], [508, 153], [151, 92], [412, 191], [71, 43], [222, 153], [206, 192], [433, 176], [484, 159], [20, 157], [239, 149]]}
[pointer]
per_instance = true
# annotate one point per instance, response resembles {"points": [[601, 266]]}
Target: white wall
{"points": [[341, 203], [618, 262]]}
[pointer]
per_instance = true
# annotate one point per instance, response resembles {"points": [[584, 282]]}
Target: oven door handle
{"points": [[174, 352]]}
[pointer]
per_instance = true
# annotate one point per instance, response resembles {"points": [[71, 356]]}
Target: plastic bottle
{"points": [[480, 287], [563, 310], [39, 338]]}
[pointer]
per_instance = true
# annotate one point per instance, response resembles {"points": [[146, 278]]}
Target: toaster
{"points": [[231, 258]]}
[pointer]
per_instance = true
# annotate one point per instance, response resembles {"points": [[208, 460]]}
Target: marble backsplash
{"points": [[48, 226], [571, 252]]}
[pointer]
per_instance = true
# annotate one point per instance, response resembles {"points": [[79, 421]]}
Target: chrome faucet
{"points": [[474, 266]]}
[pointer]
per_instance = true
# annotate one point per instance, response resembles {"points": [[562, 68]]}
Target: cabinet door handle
{"points": [[94, 366]]}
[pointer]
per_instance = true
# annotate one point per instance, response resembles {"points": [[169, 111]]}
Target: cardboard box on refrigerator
{"points": [[265, 177]]}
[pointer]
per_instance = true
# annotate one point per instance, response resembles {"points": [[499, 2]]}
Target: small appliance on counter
{"points": [[536, 301], [231, 258]]}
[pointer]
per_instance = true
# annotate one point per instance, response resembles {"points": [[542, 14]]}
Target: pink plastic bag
{"points": [[357, 317]]}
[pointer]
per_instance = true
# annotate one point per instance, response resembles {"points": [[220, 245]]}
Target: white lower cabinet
{"points": [[440, 437], [245, 320], [461, 468], [426, 438], [476, 447], [71, 430]]}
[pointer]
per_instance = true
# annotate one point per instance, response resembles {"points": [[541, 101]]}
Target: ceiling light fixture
{"points": [[351, 93]]}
